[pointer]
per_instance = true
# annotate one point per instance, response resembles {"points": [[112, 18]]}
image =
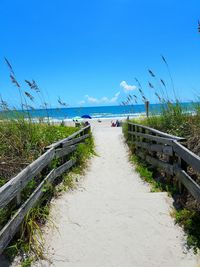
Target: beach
{"points": [[100, 134]]}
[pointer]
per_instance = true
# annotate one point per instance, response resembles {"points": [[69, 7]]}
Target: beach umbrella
{"points": [[86, 117]]}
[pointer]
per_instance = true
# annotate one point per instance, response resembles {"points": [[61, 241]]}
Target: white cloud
{"points": [[82, 102], [127, 87], [91, 99], [114, 98], [102, 100]]}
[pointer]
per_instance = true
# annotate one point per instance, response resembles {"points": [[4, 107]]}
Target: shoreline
{"points": [[93, 122]]}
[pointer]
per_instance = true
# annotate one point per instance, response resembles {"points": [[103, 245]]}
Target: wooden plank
{"points": [[18, 198], [162, 134], [168, 168], [64, 167], [189, 183], [76, 140], [168, 150], [10, 229], [61, 152], [188, 156], [158, 139], [17, 183], [181, 164], [142, 144], [63, 141]]}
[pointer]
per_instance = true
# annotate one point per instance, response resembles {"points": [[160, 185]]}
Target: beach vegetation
{"points": [[22, 140], [145, 173], [186, 210], [180, 119]]}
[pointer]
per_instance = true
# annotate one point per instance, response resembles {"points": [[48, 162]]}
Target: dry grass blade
{"points": [[139, 84], [140, 90], [151, 73], [151, 85], [62, 103], [164, 59], [9, 65], [13, 80], [33, 85], [159, 98], [135, 99], [29, 96], [144, 98], [169, 72], [28, 82], [163, 83], [4, 105]]}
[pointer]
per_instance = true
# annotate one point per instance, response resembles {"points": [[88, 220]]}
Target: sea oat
{"points": [[14, 80], [163, 82], [151, 73], [29, 96], [9, 65], [151, 85]]}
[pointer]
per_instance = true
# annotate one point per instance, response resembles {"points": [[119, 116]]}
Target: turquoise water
{"points": [[99, 112]]}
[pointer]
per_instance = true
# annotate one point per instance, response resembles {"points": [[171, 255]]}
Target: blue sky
{"points": [[82, 51]]}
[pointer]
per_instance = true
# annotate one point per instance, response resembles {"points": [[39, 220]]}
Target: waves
{"points": [[103, 112]]}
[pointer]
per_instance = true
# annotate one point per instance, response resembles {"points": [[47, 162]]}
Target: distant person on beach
{"points": [[117, 123], [112, 124], [87, 123]]}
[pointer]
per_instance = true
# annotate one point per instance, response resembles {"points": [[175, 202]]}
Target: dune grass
{"points": [[29, 142], [22, 140], [174, 119]]}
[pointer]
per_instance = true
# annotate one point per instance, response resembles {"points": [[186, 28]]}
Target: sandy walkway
{"points": [[113, 220]]}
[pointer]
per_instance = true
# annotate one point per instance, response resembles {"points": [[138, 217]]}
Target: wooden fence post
{"points": [[132, 136], [183, 165], [129, 130], [170, 160], [147, 108], [136, 137]]}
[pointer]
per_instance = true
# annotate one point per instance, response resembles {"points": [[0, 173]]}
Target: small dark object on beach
{"points": [[87, 123], [113, 124]]}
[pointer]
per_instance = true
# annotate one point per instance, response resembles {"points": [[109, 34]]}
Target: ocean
{"points": [[99, 112]]}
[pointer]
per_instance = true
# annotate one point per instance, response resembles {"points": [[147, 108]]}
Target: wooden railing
{"points": [[166, 152], [11, 191]]}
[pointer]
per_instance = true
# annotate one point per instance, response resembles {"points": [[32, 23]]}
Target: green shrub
{"points": [[190, 221]]}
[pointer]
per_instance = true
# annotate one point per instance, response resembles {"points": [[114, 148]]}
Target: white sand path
{"points": [[113, 220]]}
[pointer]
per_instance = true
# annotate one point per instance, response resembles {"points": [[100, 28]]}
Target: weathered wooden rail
{"points": [[12, 189], [165, 151]]}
